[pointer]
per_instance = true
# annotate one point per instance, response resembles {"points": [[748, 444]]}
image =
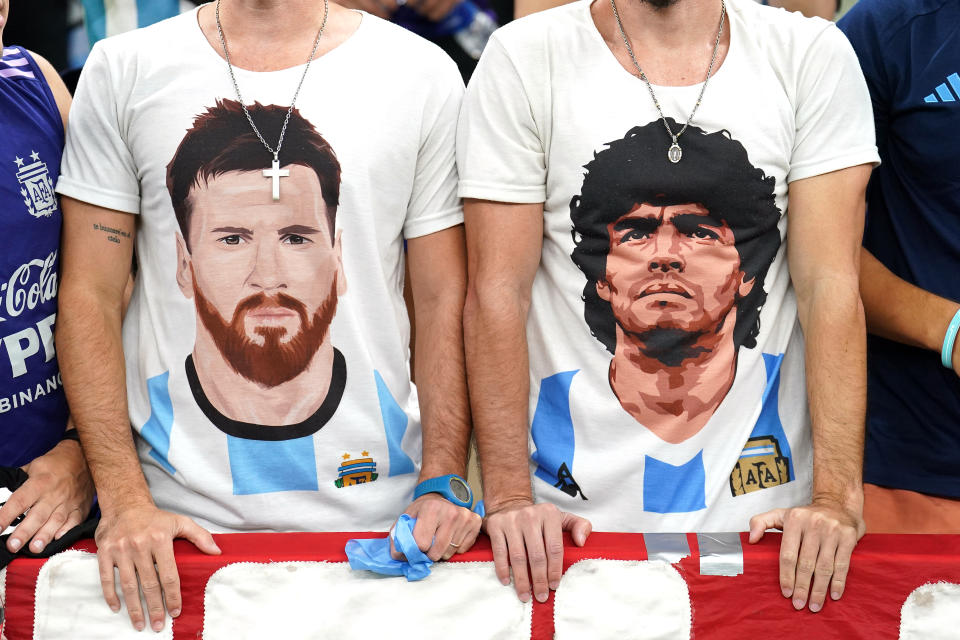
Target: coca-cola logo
{"points": [[30, 285]]}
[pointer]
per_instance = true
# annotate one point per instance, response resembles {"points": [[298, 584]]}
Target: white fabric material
{"points": [[69, 603], [931, 612], [547, 95], [137, 99], [328, 600], [593, 601]]}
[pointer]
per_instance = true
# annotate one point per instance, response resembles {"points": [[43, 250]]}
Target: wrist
{"points": [[849, 499], [493, 506], [949, 344], [451, 487], [113, 504]]}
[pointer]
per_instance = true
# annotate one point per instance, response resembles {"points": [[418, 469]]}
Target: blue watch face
{"points": [[460, 489]]}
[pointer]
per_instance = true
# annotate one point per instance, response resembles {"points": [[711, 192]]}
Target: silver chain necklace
{"points": [[274, 172], [674, 153]]}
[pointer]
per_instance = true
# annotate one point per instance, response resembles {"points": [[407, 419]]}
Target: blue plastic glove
{"points": [[373, 554]]}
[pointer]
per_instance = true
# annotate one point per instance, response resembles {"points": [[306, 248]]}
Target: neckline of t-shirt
{"points": [[732, 51], [334, 53]]}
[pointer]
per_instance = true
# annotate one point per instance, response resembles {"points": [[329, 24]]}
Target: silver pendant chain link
{"points": [[643, 76], [236, 87]]}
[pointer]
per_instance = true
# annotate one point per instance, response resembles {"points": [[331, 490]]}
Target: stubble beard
{"points": [[276, 360]]}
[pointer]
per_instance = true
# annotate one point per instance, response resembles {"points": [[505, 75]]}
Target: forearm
{"points": [[442, 386], [498, 373], [833, 325], [91, 362], [900, 311]]}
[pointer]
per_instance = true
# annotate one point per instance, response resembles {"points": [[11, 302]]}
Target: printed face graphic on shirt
{"points": [[675, 255], [671, 267], [265, 275]]}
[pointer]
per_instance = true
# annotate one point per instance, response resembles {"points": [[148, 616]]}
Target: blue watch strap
{"points": [[441, 485]]}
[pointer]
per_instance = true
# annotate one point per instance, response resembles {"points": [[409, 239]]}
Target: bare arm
{"points": [[59, 90], [437, 265], [900, 311], [95, 271], [495, 319], [495, 316], [824, 234], [133, 534]]}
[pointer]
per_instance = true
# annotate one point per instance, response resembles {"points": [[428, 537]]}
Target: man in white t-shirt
{"points": [[647, 214], [264, 393]]}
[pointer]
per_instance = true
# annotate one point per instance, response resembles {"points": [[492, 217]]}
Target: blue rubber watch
{"points": [[451, 486]]}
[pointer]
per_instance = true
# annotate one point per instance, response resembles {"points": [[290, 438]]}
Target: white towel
{"points": [[931, 612], [622, 600], [70, 604], [317, 600]]}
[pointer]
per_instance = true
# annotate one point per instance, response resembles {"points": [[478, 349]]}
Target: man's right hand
{"points": [[532, 533], [139, 542]]}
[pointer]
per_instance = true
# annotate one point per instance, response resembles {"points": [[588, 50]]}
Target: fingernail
{"points": [[542, 596], [555, 584], [174, 613], [115, 608], [786, 591], [138, 626], [158, 625], [14, 544], [504, 581], [815, 607], [37, 546], [525, 597], [835, 595], [798, 603]]}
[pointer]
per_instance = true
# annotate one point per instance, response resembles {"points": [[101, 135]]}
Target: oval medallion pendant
{"points": [[674, 153]]}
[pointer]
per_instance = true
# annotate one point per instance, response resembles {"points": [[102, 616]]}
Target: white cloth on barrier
{"points": [[931, 612], [615, 599], [69, 603], [328, 600]]}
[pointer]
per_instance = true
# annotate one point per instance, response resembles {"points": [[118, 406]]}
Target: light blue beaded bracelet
{"points": [[946, 352]]}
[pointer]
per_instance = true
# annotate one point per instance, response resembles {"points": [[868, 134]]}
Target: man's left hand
{"points": [[442, 528], [817, 543], [58, 495]]}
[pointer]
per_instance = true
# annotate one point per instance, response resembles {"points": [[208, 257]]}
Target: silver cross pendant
{"points": [[275, 172]]}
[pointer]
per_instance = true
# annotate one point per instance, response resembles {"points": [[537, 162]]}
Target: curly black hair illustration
{"points": [[715, 172]]}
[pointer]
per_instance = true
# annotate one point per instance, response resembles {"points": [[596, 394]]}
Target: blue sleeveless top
{"points": [[33, 408]]}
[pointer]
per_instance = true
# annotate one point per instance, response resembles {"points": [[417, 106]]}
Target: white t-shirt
{"points": [[386, 102], [551, 116]]}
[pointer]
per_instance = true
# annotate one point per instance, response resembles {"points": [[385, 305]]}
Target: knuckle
{"points": [[169, 581], [517, 558], [555, 548], [128, 586], [538, 559], [149, 586], [788, 559], [841, 566], [806, 566]]}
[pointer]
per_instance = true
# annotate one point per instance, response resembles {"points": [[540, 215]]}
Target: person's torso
{"points": [[33, 410], [248, 483], [913, 209], [754, 452]]}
